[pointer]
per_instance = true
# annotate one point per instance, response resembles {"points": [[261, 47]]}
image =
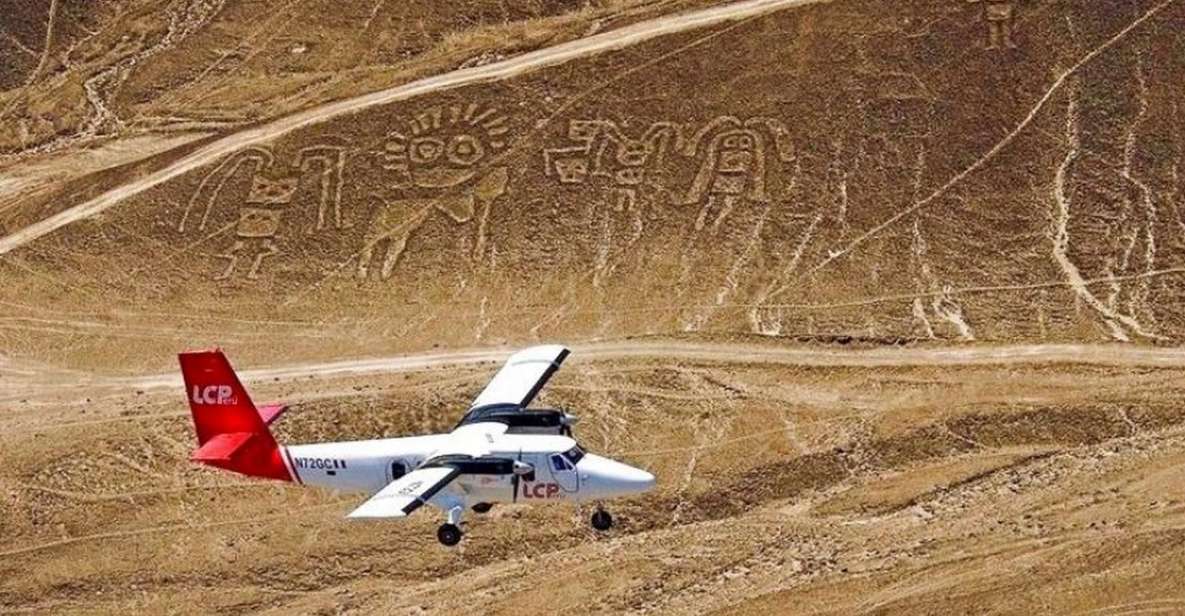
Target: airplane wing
{"points": [[406, 494], [473, 440], [523, 375]]}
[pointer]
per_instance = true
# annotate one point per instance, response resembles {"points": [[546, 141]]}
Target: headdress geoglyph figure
{"points": [[733, 165]]}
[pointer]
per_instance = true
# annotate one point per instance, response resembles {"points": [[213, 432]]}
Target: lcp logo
{"points": [[213, 394]]}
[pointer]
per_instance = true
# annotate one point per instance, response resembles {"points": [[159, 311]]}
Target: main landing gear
{"points": [[449, 534], [482, 507], [601, 520]]}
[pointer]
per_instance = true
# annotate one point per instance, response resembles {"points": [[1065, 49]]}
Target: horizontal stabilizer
{"points": [[221, 448], [269, 412]]}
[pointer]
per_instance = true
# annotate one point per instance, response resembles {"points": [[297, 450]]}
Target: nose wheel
{"points": [[601, 520], [449, 534]]}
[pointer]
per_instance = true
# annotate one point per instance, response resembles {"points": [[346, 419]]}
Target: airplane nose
{"points": [[614, 477], [637, 478]]}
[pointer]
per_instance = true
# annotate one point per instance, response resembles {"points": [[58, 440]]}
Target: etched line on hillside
{"points": [[21, 46], [528, 62], [177, 94], [49, 26], [103, 329], [1061, 238], [1139, 297], [996, 149]]}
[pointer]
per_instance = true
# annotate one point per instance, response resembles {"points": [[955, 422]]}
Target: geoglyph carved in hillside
{"points": [[1000, 17], [620, 164], [732, 164], [273, 187], [603, 149], [332, 161], [436, 165]]}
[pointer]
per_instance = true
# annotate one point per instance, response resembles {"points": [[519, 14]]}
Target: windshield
{"points": [[574, 454]]}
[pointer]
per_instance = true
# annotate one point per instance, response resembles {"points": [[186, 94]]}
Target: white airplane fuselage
{"points": [[501, 451], [367, 466]]}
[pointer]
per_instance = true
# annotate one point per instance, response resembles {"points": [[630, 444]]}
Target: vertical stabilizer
{"points": [[231, 432]]}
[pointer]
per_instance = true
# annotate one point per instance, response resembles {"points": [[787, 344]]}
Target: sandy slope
{"points": [[535, 60], [784, 488]]}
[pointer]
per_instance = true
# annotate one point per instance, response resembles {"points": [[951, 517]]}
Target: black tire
{"points": [[483, 507], [449, 534], [601, 520]]}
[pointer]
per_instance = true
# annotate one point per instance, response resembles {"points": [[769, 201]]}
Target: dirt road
{"points": [[1114, 355], [532, 61]]}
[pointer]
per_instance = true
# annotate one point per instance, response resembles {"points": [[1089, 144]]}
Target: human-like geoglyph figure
{"points": [[732, 163], [604, 149], [999, 17], [622, 168], [438, 165], [259, 224], [273, 188]]}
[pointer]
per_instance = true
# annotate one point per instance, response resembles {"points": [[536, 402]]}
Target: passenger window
{"points": [[397, 470]]}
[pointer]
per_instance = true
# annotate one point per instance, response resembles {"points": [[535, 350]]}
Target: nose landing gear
{"points": [[601, 520]]}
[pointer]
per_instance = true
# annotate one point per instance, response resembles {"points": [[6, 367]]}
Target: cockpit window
{"points": [[574, 454], [559, 464]]}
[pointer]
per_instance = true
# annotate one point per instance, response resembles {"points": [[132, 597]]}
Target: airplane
{"points": [[501, 451]]}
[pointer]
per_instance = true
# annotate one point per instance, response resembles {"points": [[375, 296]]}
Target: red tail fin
{"points": [[230, 431]]}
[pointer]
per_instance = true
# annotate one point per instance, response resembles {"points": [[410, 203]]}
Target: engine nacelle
{"points": [[518, 419]]}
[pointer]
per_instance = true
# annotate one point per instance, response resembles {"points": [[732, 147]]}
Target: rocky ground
{"points": [[1003, 487]]}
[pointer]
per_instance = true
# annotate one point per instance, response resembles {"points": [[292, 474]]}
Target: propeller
{"points": [[514, 479], [566, 422]]}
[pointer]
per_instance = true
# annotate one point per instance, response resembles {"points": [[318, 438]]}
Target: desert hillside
{"points": [[889, 295], [866, 171], [82, 69]]}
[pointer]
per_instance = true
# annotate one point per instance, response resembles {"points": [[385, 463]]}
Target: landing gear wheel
{"points": [[482, 507], [601, 520], [449, 534]]}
